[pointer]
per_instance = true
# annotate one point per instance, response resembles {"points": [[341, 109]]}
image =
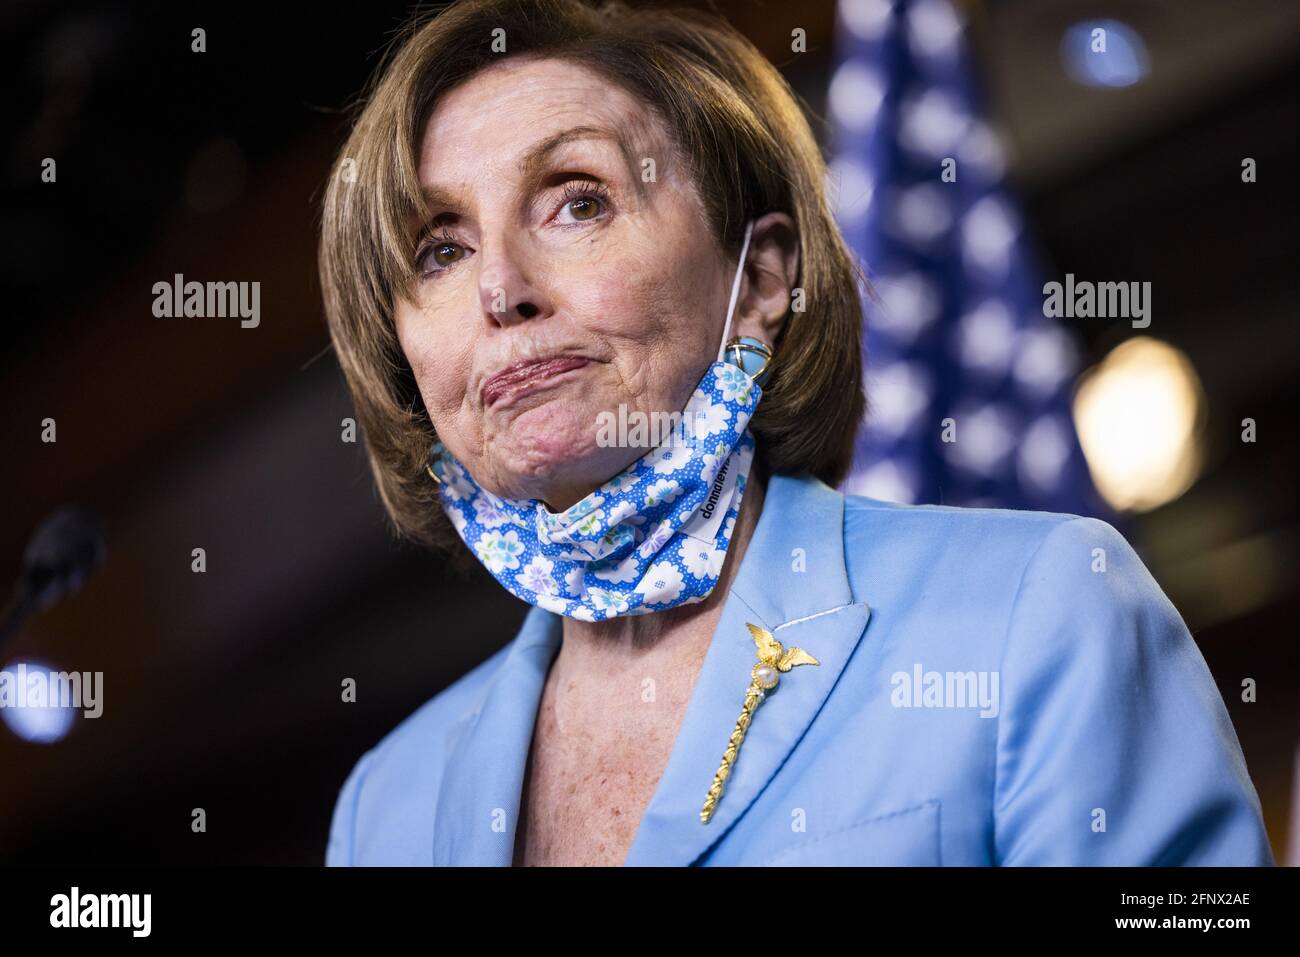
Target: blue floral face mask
{"points": [[651, 538]]}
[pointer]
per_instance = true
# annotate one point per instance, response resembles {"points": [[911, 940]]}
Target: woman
{"points": [[553, 225]]}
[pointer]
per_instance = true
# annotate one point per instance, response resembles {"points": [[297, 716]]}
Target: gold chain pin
{"points": [[763, 677]]}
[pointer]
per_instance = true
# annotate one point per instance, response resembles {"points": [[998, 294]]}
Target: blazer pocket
{"points": [[908, 837]]}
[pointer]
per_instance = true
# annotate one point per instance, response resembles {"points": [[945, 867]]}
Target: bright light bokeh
{"points": [[41, 724], [1122, 62], [1138, 416]]}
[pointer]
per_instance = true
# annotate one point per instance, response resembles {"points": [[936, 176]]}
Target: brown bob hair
{"points": [[748, 146]]}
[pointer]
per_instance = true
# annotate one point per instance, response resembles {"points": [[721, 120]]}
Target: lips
{"points": [[521, 377]]}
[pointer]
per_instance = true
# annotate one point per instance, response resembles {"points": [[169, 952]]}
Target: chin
{"points": [[554, 445]]}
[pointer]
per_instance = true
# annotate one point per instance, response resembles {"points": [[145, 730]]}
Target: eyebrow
{"points": [[535, 159]]}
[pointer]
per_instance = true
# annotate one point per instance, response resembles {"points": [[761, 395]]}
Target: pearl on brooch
{"points": [[765, 676]]}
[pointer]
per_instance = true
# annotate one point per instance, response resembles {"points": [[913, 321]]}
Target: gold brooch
{"points": [[772, 659]]}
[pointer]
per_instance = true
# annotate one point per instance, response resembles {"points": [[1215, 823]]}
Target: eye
{"points": [[439, 253], [584, 201], [583, 208]]}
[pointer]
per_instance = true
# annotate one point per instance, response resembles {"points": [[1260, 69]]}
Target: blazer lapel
{"points": [[792, 581], [478, 802]]}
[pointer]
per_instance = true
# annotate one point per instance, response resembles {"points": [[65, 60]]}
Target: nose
{"points": [[508, 292]]}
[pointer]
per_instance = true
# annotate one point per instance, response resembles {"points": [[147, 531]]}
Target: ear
{"points": [[770, 274]]}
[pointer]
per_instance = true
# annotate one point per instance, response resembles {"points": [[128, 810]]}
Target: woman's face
{"points": [[545, 239]]}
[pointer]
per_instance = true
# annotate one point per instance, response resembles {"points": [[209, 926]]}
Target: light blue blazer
{"points": [[993, 687]]}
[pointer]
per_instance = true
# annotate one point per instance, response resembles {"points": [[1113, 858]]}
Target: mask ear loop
{"points": [[735, 290]]}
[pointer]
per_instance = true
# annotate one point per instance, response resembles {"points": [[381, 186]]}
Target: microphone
{"points": [[66, 548]]}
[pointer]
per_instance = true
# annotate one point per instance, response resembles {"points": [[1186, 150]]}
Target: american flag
{"points": [[968, 383]]}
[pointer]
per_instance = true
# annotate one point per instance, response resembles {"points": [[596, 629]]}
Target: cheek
{"points": [[441, 365], [637, 298]]}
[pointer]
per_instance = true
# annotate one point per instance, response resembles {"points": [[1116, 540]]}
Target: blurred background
{"points": [[1112, 157]]}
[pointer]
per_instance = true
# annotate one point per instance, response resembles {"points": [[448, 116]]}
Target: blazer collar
{"points": [[792, 580]]}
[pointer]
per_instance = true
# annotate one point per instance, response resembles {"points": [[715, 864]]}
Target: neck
{"points": [[606, 643]]}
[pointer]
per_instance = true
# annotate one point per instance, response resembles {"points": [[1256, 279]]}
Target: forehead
{"points": [[484, 125]]}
